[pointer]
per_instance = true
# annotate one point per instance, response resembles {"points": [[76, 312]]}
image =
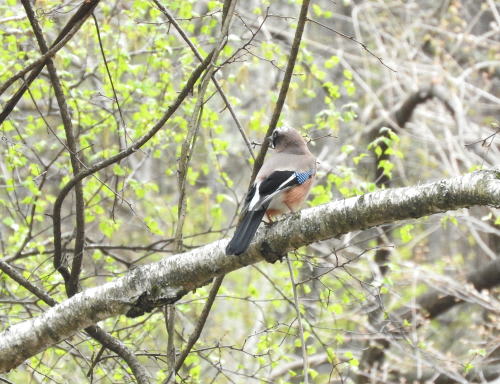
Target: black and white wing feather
{"points": [[256, 203], [275, 183]]}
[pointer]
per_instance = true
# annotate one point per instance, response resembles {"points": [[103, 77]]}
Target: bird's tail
{"points": [[245, 232]]}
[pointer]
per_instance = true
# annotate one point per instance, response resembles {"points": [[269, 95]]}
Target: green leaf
{"points": [[118, 170], [331, 355], [313, 373], [387, 167], [468, 367], [317, 10], [358, 158], [347, 74], [336, 308], [405, 232], [108, 227], [153, 226], [353, 362]]}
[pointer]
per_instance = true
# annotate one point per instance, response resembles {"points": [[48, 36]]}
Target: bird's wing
{"points": [[262, 192]]}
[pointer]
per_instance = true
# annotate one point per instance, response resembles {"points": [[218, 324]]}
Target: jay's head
{"points": [[288, 140]]}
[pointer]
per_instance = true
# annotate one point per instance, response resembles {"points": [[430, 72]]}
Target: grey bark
{"points": [[166, 281]]}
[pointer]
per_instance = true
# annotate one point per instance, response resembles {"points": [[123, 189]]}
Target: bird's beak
{"points": [[271, 143]]}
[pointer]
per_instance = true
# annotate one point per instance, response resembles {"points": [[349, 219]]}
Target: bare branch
{"points": [[363, 45], [193, 338], [157, 284], [284, 87], [97, 333], [71, 279], [305, 358]]}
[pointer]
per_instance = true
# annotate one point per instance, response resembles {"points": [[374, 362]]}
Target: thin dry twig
{"points": [[363, 45], [299, 321], [484, 142], [284, 87], [98, 32], [193, 338]]}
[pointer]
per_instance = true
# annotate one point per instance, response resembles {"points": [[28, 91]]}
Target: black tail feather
{"points": [[245, 232]]}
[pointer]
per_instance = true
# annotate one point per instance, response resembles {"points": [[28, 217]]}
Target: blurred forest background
{"points": [[390, 93]]}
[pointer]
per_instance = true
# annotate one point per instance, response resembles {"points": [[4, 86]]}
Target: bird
{"points": [[281, 186]]}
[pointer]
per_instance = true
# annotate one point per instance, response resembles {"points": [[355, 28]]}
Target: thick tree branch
{"points": [[166, 281], [94, 331]]}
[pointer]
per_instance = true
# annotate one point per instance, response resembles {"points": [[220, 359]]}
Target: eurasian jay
{"points": [[281, 186]]}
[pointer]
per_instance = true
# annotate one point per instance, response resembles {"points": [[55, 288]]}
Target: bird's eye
{"points": [[273, 139]]}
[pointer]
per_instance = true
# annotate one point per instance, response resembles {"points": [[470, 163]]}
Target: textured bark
{"points": [[169, 279]]}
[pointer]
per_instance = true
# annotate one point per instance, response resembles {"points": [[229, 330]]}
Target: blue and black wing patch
{"points": [[302, 177], [280, 180]]}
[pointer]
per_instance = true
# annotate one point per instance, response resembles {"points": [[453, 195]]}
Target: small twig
{"points": [[95, 360], [262, 58], [4, 380], [193, 338], [110, 78], [309, 139], [284, 86], [299, 320], [169, 314], [255, 143], [363, 45], [209, 14], [484, 142], [250, 40]]}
